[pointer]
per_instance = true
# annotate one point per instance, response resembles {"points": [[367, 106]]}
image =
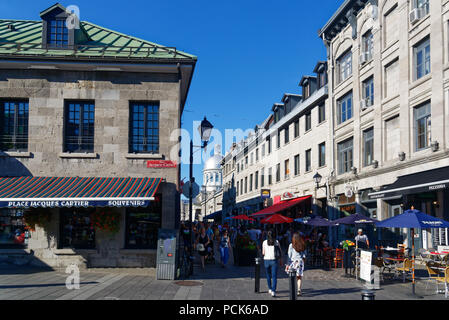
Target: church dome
{"points": [[213, 163]]}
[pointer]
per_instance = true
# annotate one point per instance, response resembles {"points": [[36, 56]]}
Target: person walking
{"points": [[272, 253], [297, 257], [201, 245], [225, 244]]}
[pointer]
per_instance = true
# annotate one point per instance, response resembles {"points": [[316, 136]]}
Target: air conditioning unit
{"points": [[363, 104], [364, 58], [415, 15]]}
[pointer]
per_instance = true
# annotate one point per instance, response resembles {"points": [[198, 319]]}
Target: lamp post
{"points": [[205, 130], [317, 179]]}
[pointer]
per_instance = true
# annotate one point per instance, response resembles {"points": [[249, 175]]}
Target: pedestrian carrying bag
{"points": [[277, 251]]}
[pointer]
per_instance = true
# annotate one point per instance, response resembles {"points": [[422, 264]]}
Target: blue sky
{"points": [[249, 52]]}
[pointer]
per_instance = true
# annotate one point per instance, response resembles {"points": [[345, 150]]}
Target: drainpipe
{"points": [[330, 85]]}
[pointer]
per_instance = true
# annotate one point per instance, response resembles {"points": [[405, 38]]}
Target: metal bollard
{"points": [[257, 275], [368, 295], [292, 275]]}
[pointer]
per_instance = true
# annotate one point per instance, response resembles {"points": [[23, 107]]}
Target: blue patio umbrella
{"points": [[316, 222], [354, 219], [413, 219]]}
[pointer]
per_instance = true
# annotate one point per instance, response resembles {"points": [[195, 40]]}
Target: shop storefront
{"points": [[427, 191], [106, 222]]}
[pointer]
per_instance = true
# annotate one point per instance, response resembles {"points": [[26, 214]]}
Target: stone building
{"points": [[388, 88], [86, 118], [282, 154]]}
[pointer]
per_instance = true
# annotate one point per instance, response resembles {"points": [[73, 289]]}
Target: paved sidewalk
{"points": [[231, 283]]}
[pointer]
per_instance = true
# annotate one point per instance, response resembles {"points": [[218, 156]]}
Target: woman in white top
{"points": [[269, 248], [297, 257]]}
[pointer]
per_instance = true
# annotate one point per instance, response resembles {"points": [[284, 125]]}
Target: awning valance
{"points": [[425, 181], [53, 192], [279, 207], [213, 215]]}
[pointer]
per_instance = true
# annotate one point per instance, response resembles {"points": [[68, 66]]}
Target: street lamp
{"points": [[317, 179], [205, 130]]}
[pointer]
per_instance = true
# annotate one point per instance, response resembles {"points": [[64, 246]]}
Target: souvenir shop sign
{"points": [[73, 203]]}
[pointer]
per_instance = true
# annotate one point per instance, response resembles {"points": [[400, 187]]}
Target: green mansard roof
{"points": [[19, 38]]}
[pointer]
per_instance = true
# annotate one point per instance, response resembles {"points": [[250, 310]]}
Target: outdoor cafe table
{"points": [[439, 255]]}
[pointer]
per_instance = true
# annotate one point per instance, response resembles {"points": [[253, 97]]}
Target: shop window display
{"points": [[142, 225], [13, 231], [76, 229]]}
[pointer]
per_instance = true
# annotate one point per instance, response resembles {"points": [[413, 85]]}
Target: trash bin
{"points": [[166, 254]]}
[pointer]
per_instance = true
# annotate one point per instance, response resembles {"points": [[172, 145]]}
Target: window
{"points": [[257, 155], [142, 225], [278, 172], [13, 125], [422, 59], [58, 33], [13, 230], [344, 66], [422, 127], [391, 86], [367, 45], [246, 185], [287, 169], [286, 135], [296, 128], [144, 131], [270, 176], [263, 151], [322, 154], [269, 144], [297, 165], [368, 147], [241, 187], [256, 180], [306, 90], [308, 121], [237, 193], [321, 112], [368, 92], [279, 139], [250, 182], [391, 26], [252, 158], [345, 156], [262, 177], [344, 106], [392, 138], [76, 229], [423, 5], [79, 126], [308, 160]]}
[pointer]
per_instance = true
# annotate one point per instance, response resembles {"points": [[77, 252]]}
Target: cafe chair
{"points": [[405, 269], [433, 274], [445, 280], [338, 259]]}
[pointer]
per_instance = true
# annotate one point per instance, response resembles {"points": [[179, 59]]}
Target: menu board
{"points": [[365, 265]]}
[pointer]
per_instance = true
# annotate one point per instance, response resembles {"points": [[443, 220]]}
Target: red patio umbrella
{"points": [[243, 217], [276, 219]]}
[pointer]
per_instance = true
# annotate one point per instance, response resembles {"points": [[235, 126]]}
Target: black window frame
{"points": [[145, 136], [308, 161], [322, 113], [308, 121], [322, 154], [18, 141], [85, 142]]}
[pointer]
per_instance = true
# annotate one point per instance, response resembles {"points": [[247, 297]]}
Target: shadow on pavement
{"points": [[47, 285]]}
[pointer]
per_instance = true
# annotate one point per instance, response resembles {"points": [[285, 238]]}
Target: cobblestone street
{"points": [[216, 283]]}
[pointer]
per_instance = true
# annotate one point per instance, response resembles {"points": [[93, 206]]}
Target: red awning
{"points": [[279, 207]]}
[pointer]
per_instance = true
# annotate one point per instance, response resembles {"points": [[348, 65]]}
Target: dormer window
{"points": [[58, 33], [306, 89]]}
